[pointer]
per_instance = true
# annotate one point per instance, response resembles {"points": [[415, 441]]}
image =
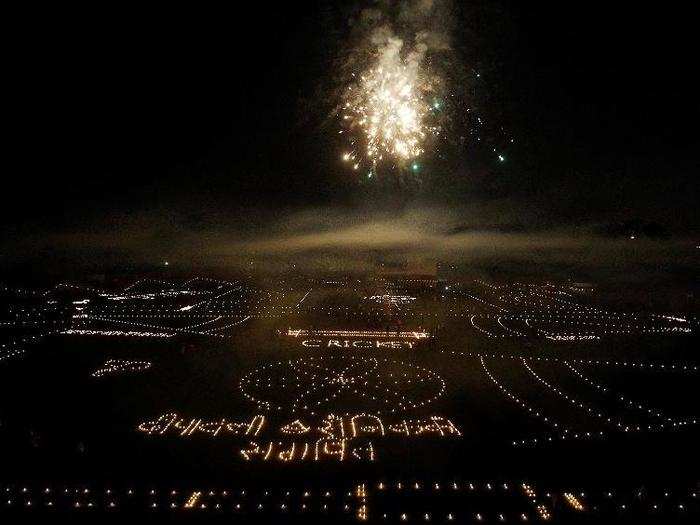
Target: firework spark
{"points": [[386, 115]]}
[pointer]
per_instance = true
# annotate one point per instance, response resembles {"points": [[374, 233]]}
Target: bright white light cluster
{"points": [[320, 450], [335, 438], [564, 432], [359, 498], [373, 334], [115, 333], [541, 508], [391, 299], [359, 344], [172, 423], [361, 495], [552, 312], [573, 501], [9, 352], [613, 363], [312, 383], [120, 366], [162, 311]]}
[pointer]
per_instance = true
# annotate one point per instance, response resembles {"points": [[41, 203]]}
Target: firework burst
{"points": [[388, 115]]}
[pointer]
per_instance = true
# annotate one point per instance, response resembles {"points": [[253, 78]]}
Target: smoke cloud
{"points": [[406, 31], [342, 241]]}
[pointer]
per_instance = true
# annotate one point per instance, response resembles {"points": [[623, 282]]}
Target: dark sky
{"points": [[194, 116]]}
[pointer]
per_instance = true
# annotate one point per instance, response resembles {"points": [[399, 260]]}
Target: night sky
{"points": [[217, 123]]}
